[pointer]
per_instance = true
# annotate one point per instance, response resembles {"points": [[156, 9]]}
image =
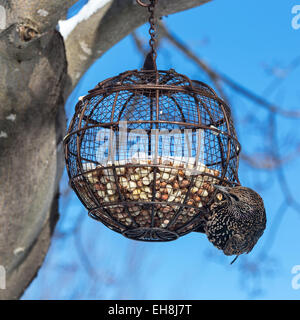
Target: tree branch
{"points": [[42, 15], [106, 27], [218, 76], [32, 123]]}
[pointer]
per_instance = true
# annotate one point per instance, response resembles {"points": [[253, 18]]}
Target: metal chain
{"points": [[152, 30]]}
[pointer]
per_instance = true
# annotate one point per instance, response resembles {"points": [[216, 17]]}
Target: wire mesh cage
{"points": [[145, 149]]}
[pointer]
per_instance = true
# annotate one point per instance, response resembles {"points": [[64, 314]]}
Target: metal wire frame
{"points": [[150, 100]]}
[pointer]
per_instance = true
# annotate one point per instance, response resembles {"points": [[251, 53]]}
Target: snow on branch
{"points": [[66, 26]]}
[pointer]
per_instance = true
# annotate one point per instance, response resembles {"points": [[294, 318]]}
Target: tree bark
{"points": [[34, 80]]}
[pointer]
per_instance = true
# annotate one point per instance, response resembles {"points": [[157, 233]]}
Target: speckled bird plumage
{"points": [[236, 221]]}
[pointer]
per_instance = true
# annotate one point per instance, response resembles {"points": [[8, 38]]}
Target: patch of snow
{"points": [[2, 18], [12, 117], [18, 251], [66, 26], [3, 134], [42, 12]]}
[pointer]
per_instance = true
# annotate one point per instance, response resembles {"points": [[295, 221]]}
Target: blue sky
{"points": [[241, 39]]}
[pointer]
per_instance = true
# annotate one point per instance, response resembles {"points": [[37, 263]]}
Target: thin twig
{"points": [[218, 76]]}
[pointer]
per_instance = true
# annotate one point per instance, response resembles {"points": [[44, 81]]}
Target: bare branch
{"points": [[267, 162], [139, 44], [218, 76]]}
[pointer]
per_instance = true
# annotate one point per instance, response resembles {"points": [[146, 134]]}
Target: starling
{"points": [[236, 221]]}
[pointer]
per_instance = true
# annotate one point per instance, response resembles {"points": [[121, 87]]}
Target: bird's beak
{"points": [[221, 188]]}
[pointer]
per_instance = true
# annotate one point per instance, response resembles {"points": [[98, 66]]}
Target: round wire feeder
{"points": [[144, 150]]}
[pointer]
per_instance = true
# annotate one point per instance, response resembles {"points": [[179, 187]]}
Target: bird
{"points": [[236, 220]]}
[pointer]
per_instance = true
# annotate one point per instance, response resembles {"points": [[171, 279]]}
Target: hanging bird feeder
{"points": [[145, 149]]}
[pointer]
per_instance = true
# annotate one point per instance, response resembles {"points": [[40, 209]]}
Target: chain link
{"points": [[152, 30]]}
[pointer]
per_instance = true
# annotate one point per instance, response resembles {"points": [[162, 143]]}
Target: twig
{"points": [[218, 76]]}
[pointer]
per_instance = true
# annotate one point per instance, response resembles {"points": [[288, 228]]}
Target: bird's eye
{"points": [[219, 196]]}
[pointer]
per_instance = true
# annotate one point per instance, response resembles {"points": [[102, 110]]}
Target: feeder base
{"points": [[150, 234]]}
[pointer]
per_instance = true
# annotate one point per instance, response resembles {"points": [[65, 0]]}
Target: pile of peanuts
{"points": [[139, 182]]}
